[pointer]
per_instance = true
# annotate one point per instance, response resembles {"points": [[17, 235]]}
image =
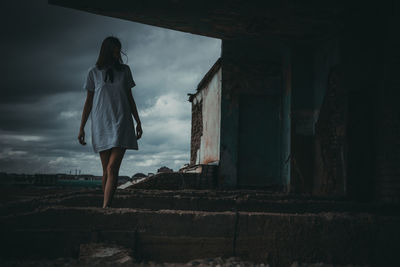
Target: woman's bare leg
{"points": [[104, 156], [114, 162]]}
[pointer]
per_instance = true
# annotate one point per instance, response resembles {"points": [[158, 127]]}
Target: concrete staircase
{"points": [[180, 225]]}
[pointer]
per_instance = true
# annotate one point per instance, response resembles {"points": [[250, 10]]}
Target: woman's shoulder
{"points": [[126, 67], [92, 68]]}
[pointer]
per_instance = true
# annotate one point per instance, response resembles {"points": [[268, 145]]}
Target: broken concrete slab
{"points": [[105, 254], [175, 181]]}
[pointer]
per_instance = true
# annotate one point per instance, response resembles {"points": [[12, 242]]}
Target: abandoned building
{"points": [[289, 105], [300, 116]]}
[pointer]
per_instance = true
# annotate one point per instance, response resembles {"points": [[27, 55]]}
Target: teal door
{"points": [[259, 144]]}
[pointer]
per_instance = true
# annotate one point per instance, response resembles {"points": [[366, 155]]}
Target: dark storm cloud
{"points": [[49, 47], [48, 50]]}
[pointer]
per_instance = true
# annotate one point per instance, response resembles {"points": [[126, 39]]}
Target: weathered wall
{"points": [[357, 130], [330, 108], [211, 95], [206, 113], [328, 143]]}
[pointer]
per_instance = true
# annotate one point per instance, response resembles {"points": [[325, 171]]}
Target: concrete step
{"points": [[181, 235], [204, 200]]}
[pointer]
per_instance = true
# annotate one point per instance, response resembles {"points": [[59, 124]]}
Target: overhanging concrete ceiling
{"points": [[224, 19]]}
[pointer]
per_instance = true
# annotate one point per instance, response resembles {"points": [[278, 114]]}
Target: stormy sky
{"points": [[46, 53]]}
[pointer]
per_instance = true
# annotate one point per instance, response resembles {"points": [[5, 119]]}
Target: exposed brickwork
{"points": [[197, 130], [330, 137]]}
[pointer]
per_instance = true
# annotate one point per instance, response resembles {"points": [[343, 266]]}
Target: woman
{"points": [[109, 100]]}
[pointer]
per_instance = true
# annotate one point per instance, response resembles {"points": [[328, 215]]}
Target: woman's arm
{"points": [[85, 115], [135, 114]]}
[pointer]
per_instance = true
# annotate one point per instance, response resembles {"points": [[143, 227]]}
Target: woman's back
{"points": [[112, 123]]}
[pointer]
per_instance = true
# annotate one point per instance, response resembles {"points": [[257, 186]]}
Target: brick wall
{"points": [[197, 130], [330, 138]]}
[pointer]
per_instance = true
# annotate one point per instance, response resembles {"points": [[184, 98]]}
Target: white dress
{"points": [[111, 117]]}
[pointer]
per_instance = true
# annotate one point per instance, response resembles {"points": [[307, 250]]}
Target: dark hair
{"points": [[106, 58]]}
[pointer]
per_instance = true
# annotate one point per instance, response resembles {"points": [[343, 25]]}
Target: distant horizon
{"points": [[73, 173]]}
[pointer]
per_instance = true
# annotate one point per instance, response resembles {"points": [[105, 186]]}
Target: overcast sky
{"points": [[48, 50]]}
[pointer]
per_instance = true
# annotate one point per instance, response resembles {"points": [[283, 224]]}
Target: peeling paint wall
{"points": [[206, 121]]}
